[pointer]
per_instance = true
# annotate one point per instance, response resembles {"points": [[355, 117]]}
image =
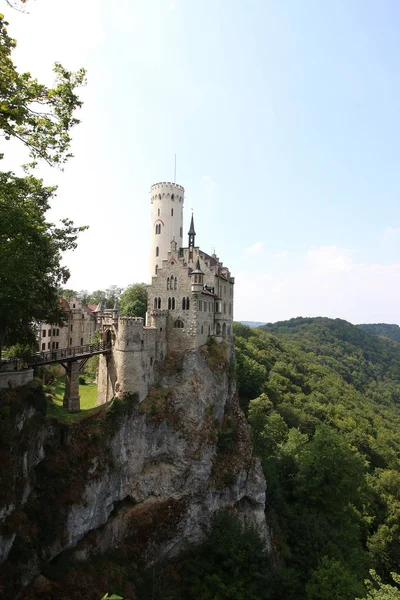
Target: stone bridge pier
{"points": [[71, 396]]}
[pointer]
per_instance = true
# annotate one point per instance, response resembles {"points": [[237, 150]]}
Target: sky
{"points": [[284, 116]]}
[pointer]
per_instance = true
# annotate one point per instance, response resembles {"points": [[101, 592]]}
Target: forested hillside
{"points": [[323, 400], [390, 331]]}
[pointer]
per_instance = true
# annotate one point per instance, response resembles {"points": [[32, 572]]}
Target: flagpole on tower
{"points": [[175, 170]]}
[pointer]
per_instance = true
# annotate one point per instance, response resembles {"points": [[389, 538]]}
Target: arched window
{"points": [[159, 303], [158, 212], [209, 330], [224, 329], [187, 303], [156, 269], [167, 283], [230, 308], [224, 308], [228, 330], [218, 329], [159, 196], [172, 197], [157, 251], [175, 283], [183, 303], [173, 304], [155, 302], [169, 303], [172, 212], [202, 329], [178, 324]]}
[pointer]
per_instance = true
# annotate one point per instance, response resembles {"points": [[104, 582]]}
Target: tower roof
{"points": [[197, 270], [191, 230]]}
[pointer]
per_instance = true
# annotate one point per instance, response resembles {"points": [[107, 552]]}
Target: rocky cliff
{"points": [[151, 474]]}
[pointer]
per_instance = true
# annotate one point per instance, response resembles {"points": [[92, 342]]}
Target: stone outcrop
{"points": [[153, 473]]}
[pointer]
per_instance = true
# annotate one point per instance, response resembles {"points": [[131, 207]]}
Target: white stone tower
{"points": [[166, 221]]}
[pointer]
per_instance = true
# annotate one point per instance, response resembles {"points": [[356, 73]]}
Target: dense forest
{"points": [[383, 329], [322, 397]]}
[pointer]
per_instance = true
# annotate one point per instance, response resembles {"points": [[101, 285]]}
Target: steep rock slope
{"points": [[154, 472]]}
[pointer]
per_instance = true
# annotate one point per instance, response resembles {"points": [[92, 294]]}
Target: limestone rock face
{"points": [[153, 473]]}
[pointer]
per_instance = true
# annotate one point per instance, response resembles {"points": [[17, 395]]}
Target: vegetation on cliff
{"points": [[322, 397]]}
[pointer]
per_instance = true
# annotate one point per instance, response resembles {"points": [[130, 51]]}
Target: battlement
{"points": [[158, 313], [158, 185], [131, 320]]}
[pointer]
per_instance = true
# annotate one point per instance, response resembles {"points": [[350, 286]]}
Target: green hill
{"points": [[323, 400], [383, 329]]}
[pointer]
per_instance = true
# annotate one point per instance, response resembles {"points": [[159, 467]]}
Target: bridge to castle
{"points": [[73, 360]]}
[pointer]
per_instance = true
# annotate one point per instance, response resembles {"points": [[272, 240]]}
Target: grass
{"points": [[88, 395]]}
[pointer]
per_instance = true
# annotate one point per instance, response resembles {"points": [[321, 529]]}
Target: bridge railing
{"points": [[68, 353]]}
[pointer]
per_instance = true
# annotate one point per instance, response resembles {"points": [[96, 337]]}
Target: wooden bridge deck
{"points": [[63, 355]]}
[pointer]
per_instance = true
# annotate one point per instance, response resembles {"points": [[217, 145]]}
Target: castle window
{"points": [[155, 302], [183, 303], [175, 283], [172, 197], [200, 305], [181, 231], [159, 303], [167, 283], [172, 212], [159, 196], [173, 303], [158, 212], [70, 341], [58, 332], [56, 345], [169, 303], [209, 330], [48, 346], [73, 306], [81, 341], [187, 303], [44, 333], [202, 329], [230, 308], [218, 330], [157, 251], [224, 308], [178, 324], [71, 329], [229, 330], [53, 345], [43, 346], [156, 269]]}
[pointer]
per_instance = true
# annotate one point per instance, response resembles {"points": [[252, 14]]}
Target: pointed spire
{"points": [[191, 230], [198, 264], [191, 233]]}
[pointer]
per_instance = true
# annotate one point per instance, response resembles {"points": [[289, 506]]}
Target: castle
{"points": [[190, 300]]}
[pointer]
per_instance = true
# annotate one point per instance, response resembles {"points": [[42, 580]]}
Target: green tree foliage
{"points": [[39, 116], [325, 423], [232, 564], [109, 297], [31, 249], [133, 301], [387, 330], [376, 590]]}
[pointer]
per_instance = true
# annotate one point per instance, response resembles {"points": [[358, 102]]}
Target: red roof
{"points": [[92, 307]]}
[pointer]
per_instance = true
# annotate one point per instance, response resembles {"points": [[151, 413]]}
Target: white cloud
{"points": [[172, 5], [282, 254], [389, 233], [330, 259], [208, 180], [255, 248], [326, 282]]}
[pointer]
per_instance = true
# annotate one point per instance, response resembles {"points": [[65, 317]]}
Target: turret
{"points": [[192, 235], [197, 278], [166, 221]]}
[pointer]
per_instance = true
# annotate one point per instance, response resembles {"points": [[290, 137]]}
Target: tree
{"points": [[30, 250], [133, 301], [332, 580], [30, 247], [39, 116], [381, 591], [108, 297]]}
